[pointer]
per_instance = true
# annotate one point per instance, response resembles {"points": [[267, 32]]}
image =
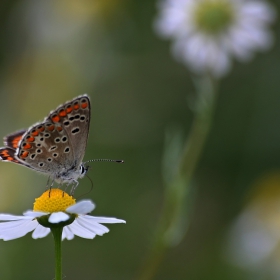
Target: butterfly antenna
{"points": [[110, 160]]}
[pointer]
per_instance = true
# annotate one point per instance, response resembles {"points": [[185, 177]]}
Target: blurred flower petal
{"points": [[206, 48]]}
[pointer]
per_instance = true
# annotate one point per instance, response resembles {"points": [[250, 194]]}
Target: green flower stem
{"points": [[207, 92], [57, 234], [177, 197]]}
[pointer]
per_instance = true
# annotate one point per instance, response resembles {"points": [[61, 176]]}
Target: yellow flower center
{"points": [[214, 16], [54, 200]]}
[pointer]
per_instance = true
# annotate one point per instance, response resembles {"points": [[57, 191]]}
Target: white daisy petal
{"points": [[67, 233], [17, 229], [81, 207], [81, 231], [40, 232], [92, 225], [8, 217], [58, 217], [34, 214], [13, 225], [106, 220]]}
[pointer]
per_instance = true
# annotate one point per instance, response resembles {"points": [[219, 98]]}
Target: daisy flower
{"points": [[207, 33], [53, 209]]}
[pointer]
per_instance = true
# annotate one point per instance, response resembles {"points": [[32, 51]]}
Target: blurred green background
{"points": [[52, 51]]}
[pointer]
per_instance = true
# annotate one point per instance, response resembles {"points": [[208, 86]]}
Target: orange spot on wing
{"points": [[59, 128], [8, 154], [76, 106], [55, 118], [69, 109], [5, 154], [51, 128], [35, 133], [62, 113], [27, 146], [41, 128], [84, 105], [30, 139], [15, 141], [24, 154]]}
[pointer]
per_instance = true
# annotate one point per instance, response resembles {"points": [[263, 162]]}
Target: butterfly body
{"points": [[55, 146]]}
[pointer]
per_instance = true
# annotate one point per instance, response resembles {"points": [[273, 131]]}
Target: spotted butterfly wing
{"points": [[74, 118], [8, 154], [57, 145], [11, 142]]}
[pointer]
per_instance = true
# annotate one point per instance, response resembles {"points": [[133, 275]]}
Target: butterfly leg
{"points": [[47, 186], [75, 185], [50, 189], [67, 186], [65, 189]]}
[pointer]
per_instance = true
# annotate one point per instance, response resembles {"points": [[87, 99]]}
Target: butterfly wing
{"points": [[8, 154], [74, 118], [57, 144], [11, 142]]}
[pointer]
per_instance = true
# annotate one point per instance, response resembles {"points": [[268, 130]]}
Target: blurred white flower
{"points": [[207, 33], [253, 241]]}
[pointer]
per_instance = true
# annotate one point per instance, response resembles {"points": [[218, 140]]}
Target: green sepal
{"points": [[44, 221]]}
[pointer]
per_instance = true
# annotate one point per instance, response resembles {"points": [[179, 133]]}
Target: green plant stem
{"points": [[171, 228], [57, 233], [199, 132]]}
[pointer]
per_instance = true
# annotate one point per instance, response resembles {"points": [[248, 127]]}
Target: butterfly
{"points": [[56, 146]]}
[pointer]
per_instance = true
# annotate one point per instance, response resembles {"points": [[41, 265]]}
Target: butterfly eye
{"points": [[82, 169]]}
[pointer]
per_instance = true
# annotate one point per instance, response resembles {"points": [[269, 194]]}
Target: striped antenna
{"points": [[102, 159]]}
